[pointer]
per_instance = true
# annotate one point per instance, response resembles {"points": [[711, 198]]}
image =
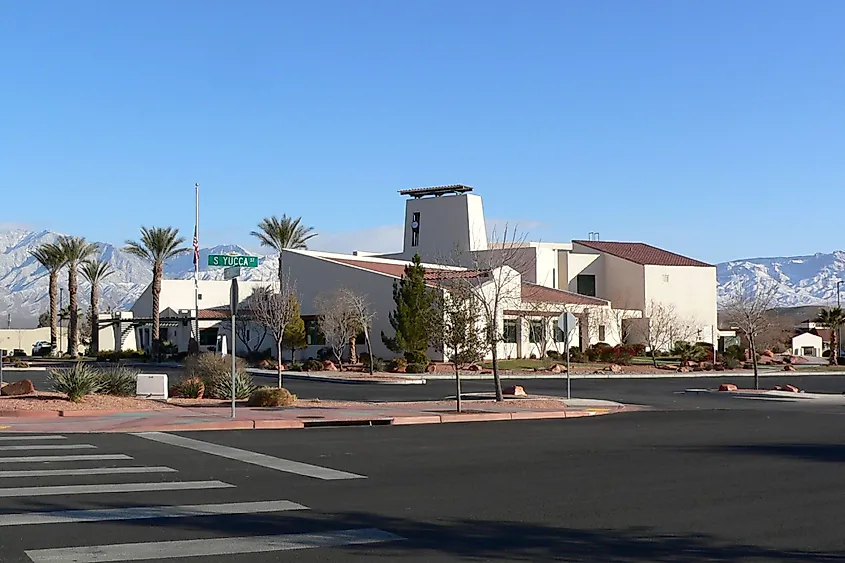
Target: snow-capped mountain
{"points": [[801, 280], [24, 284]]}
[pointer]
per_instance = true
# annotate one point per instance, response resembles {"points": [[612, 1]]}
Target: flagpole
{"points": [[197, 266]]}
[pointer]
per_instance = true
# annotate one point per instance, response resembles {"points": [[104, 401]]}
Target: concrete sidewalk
{"points": [[346, 414]]}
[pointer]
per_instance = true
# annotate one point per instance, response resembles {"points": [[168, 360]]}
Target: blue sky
{"points": [[714, 129]]}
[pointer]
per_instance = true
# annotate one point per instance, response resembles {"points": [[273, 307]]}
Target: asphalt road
{"points": [[663, 393], [674, 486]]}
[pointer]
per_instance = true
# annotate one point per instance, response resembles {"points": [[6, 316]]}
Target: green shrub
{"points": [[364, 358], [271, 397], [190, 388], [554, 355], [398, 364], [378, 365], [296, 366], [416, 368], [576, 355], [76, 382], [416, 358], [220, 386], [313, 365], [119, 381], [18, 363]]}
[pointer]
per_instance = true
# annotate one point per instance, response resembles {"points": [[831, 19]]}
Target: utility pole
{"points": [[839, 330]]}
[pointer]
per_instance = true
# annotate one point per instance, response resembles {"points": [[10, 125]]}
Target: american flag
{"points": [[196, 250]]}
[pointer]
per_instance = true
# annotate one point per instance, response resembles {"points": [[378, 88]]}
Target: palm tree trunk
{"points": [[158, 272], [54, 290], [281, 271], [834, 345], [73, 330], [95, 329]]}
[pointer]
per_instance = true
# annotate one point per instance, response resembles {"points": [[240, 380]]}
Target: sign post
{"points": [[233, 307], [567, 322]]}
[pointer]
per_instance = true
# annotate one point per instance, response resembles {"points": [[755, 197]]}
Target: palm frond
{"points": [[95, 271], [75, 250], [157, 244], [285, 232], [49, 256]]}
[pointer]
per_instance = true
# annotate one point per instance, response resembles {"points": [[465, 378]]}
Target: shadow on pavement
{"points": [[808, 452], [481, 539]]}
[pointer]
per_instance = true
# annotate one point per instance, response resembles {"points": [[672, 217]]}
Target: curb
{"points": [[306, 376], [445, 418]]}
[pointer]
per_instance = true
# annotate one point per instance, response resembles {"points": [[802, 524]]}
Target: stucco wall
{"points": [[179, 294], [690, 290], [448, 225], [23, 338]]}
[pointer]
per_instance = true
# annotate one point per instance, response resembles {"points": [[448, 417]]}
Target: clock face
{"points": [[415, 225]]}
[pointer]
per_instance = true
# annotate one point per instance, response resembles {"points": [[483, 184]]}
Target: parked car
{"points": [[41, 348], [18, 353]]}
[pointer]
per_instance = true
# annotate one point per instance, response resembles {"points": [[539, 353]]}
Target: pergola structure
{"points": [[436, 191]]}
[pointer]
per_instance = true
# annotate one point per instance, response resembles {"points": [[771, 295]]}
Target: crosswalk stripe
{"points": [[28, 447], [111, 488], [39, 458], [146, 512], [253, 458], [89, 471], [209, 547], [24, 437]]}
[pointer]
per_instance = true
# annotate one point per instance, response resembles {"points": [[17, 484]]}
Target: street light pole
{"points": [[839, 330]]}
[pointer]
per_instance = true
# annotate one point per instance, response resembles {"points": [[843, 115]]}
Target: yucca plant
{"points": [[191, 388], [220, 386], [119, 381], [76, 382]]}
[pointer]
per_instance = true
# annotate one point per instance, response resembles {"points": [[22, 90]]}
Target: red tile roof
{"points": [[641, 253], [533, 293]]}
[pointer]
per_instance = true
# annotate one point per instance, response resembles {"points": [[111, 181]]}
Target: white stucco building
{"points": [[807, 344], [611, 287]]}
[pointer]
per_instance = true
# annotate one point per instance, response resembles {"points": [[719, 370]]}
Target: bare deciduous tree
{"points": [[456, 331], [497, 284], [360, 308], [274, 308], [338, 322], [749, 309], [244, 324], [661, 327]]}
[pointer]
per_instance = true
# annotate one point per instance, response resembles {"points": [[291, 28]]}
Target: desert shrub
{"points": [[378, 365], [576, 355], [398, 364], [416, 368], [107, 356], [731, 362], [271, 397], [296, 366], [621, 354], [75, 382], [255, 358], [220, 386], [364, 358], [736, 352], [554, 355], [18, 363], [325, 353], [416, 358], [313, 365], [190, 388], [118, 381], [209, 365], [532, 356]]}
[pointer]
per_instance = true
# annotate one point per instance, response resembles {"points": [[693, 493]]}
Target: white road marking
{"points": [[29, 447], [111, 488], [146, 512], [209, 547], [89, 471], [23, 437], [254, 458], [38, 458]]}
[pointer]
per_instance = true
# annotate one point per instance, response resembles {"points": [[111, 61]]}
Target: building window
{"points": [[559, 335], [666, 278], [415, 229], [208, 337], [248, 337], [586, 284], [554, 278], [601, 333], [313, 335], [537, 332], [509, 333]]}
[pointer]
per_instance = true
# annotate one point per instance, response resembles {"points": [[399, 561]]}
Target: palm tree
{"points": [[157, 245], [832, 318], [283, 233], [50, 257], [75, 251], [94, 272]]}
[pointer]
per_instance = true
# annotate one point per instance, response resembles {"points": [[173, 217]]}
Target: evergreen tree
{"points": [[412, 319], [294, 336]]}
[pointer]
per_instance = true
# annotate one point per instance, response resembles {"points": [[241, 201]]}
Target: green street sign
{"points": [[226, 260]]}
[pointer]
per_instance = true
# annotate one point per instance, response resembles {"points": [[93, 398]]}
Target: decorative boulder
{"points": [[515, 390], [431, 368], [788, 367], [474, 367], [727, 387], [791, 388], [328, 365], [768, 353], [615, 368], [683, 369], [24, 387], [557, 368]]}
